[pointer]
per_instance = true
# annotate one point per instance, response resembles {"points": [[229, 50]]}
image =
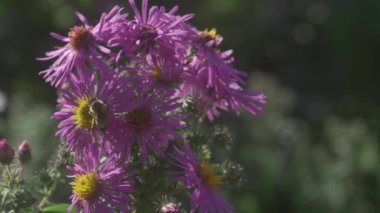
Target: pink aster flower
{"points": [[88, 114], [153, 28], [215, 83], [208, 101], [100, 186], [161, 72], [114, 20], [152, 121], [201, 178], [83, 45]]}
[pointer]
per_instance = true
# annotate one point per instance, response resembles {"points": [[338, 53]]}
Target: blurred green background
{"points": [[316, 146]]}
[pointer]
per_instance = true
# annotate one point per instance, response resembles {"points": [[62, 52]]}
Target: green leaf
{"points": [[57, 208], [5, 193]]}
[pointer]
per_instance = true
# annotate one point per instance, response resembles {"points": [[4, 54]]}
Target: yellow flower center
{"points": [[210, 34], [208, 174], [86, 186], [140, 118], [157, 73], [80, 37], [82, 116]]}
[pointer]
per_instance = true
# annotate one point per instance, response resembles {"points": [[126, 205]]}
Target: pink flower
{"points": [[214, 83], [84, 45], [89, 113], [151, 120], [201, 178], [101, 186], [6, 152]]}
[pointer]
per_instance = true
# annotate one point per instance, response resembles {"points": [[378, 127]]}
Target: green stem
{"points": [[47, 194], [10, 175], [43, 203]]}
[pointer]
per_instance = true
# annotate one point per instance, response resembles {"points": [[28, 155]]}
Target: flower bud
{"points": [[6, 152], [24, 153], [233, 173], [171, 208]]}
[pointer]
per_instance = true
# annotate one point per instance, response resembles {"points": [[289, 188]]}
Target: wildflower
{"points": [[113, 21], [202, 178], [153, 28], [160, 72], [99, 186], [215, 83], [88, 114], [152, 121], [83, 45], [6, 152], [24, 154]]}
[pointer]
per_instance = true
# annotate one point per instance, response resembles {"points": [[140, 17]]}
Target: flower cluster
{"points": [[122, 83]]}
